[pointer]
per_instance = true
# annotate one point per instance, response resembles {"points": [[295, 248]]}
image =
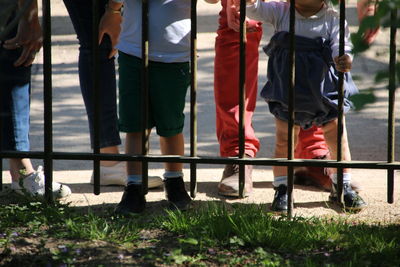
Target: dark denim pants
{"points": [[14, 100], [80, 13]]}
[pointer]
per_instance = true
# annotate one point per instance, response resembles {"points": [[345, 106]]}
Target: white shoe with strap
{"points": [[33, 184]]}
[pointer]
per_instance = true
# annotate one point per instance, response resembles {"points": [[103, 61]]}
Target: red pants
{"points": [[311, 144], [226, 91]]}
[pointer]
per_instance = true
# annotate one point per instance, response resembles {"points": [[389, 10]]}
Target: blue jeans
{"points": [[14, 100], [80, 13]]}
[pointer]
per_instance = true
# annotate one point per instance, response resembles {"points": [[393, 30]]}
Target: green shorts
{"points": [[168, 84]]}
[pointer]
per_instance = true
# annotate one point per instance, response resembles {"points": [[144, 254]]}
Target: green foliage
{"points": [[363, 98], [383, 75], [382, 18], [213, 234], [248, 226]]}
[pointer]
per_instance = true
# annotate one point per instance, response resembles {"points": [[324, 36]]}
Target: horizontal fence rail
{"points": [[48, 155]]}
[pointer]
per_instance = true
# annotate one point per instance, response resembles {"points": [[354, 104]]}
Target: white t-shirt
{"points": [[169, 30], [324, 24]]}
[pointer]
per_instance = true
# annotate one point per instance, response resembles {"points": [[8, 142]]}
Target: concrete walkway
{"points": [[367, 129]]}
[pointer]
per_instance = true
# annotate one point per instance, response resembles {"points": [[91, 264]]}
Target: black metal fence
{"points": [[48, 155]]}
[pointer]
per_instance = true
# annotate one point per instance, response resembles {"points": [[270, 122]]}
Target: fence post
{"points": [[392, 96], [193, 97], [47, 96]]}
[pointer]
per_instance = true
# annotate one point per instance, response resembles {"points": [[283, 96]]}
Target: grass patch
{"points": [[213, 234]]}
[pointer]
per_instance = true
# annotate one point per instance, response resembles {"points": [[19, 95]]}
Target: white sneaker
{"points": [[33, 184], [116, 175]]}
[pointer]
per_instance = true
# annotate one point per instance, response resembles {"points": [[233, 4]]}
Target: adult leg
{"points": [[81, 15]]}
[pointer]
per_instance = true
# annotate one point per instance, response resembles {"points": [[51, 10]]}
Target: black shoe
{"points": [[176, 193], [280, 202], [133, 200], [352, 201]]}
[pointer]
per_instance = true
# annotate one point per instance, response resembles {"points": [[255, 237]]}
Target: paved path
{"points": [[367, 128]]}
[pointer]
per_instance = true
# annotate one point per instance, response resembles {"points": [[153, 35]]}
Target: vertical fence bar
{"points": [[1, 143], [340, 103], [392, 95], [1, 166], [193, 97], [291, 83], [242, 91], [47, 96], [145, 91], [96, 95]]}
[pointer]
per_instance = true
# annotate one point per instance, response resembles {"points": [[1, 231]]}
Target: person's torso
{"points": [[169, 30], [223, 20], [320, 24]]}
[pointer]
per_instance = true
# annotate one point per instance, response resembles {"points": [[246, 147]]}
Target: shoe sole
{"points": [[350, 209], [233, 194], [55, 195], [152, 183], [157, 181], [278, 212], [127, 213]]}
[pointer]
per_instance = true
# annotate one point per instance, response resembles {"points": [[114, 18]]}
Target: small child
{"points": [[169, 78], [317, 63], [311, 142]]}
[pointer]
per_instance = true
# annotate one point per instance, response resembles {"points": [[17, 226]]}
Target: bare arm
{"points": [[110, 24], [212, 1]]}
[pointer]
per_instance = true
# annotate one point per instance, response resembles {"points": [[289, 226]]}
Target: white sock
{"points": [[346, 178], [134, 179], [172, 174], [278, 180]]}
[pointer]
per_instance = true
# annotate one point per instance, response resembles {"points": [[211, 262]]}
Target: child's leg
{"points": [[227, 94], [279, 203], [173, 145], [352, 201], [133, 146], [16, 165], [330, 133], [133, 200], [227, 104], [281, 146], [174, 185], [312, 145]]}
